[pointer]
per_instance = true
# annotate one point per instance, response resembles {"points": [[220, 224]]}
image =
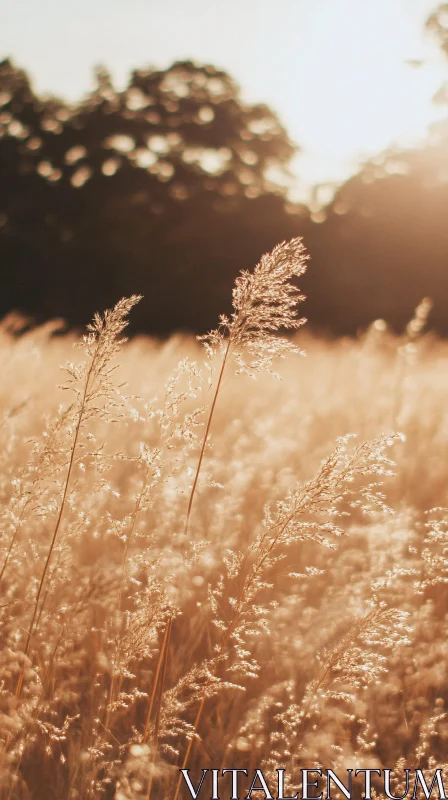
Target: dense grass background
{"points": [[339, 655]]}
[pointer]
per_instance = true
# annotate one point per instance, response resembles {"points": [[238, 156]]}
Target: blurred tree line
{"points": [[173, 185]]}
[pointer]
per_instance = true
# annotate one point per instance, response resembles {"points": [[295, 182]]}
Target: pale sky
{"points": [[334, 70]]}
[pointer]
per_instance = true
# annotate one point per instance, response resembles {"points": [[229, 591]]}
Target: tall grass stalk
{"points": [[100, 344], [264, 302]]}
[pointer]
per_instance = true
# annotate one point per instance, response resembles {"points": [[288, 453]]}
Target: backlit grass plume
{"points": [[91, 383], [264, 302]]}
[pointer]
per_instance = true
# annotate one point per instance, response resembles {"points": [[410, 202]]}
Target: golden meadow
{"points": [[221, 553]]}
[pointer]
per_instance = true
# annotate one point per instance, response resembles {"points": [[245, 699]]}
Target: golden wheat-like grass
{"points": [[198, 569]]}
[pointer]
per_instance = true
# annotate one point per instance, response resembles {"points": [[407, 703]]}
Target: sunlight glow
{"points": [[344, 76], [362, 94]]}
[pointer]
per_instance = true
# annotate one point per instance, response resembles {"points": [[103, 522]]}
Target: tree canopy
{"points": [[173, 185], [168, 187]]}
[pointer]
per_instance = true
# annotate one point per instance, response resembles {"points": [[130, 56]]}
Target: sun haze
{"points": [[338, 73]]}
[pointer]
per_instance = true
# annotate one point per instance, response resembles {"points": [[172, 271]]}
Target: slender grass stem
{"points": [[32, 627], [192, 494], [206, 434]]}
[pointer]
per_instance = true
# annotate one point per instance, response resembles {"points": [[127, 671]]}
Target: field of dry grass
{"points": [[297, 616]]}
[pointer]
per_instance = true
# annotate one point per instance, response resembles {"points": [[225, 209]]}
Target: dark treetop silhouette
{"points": [[172, 186], [164, 186]]}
